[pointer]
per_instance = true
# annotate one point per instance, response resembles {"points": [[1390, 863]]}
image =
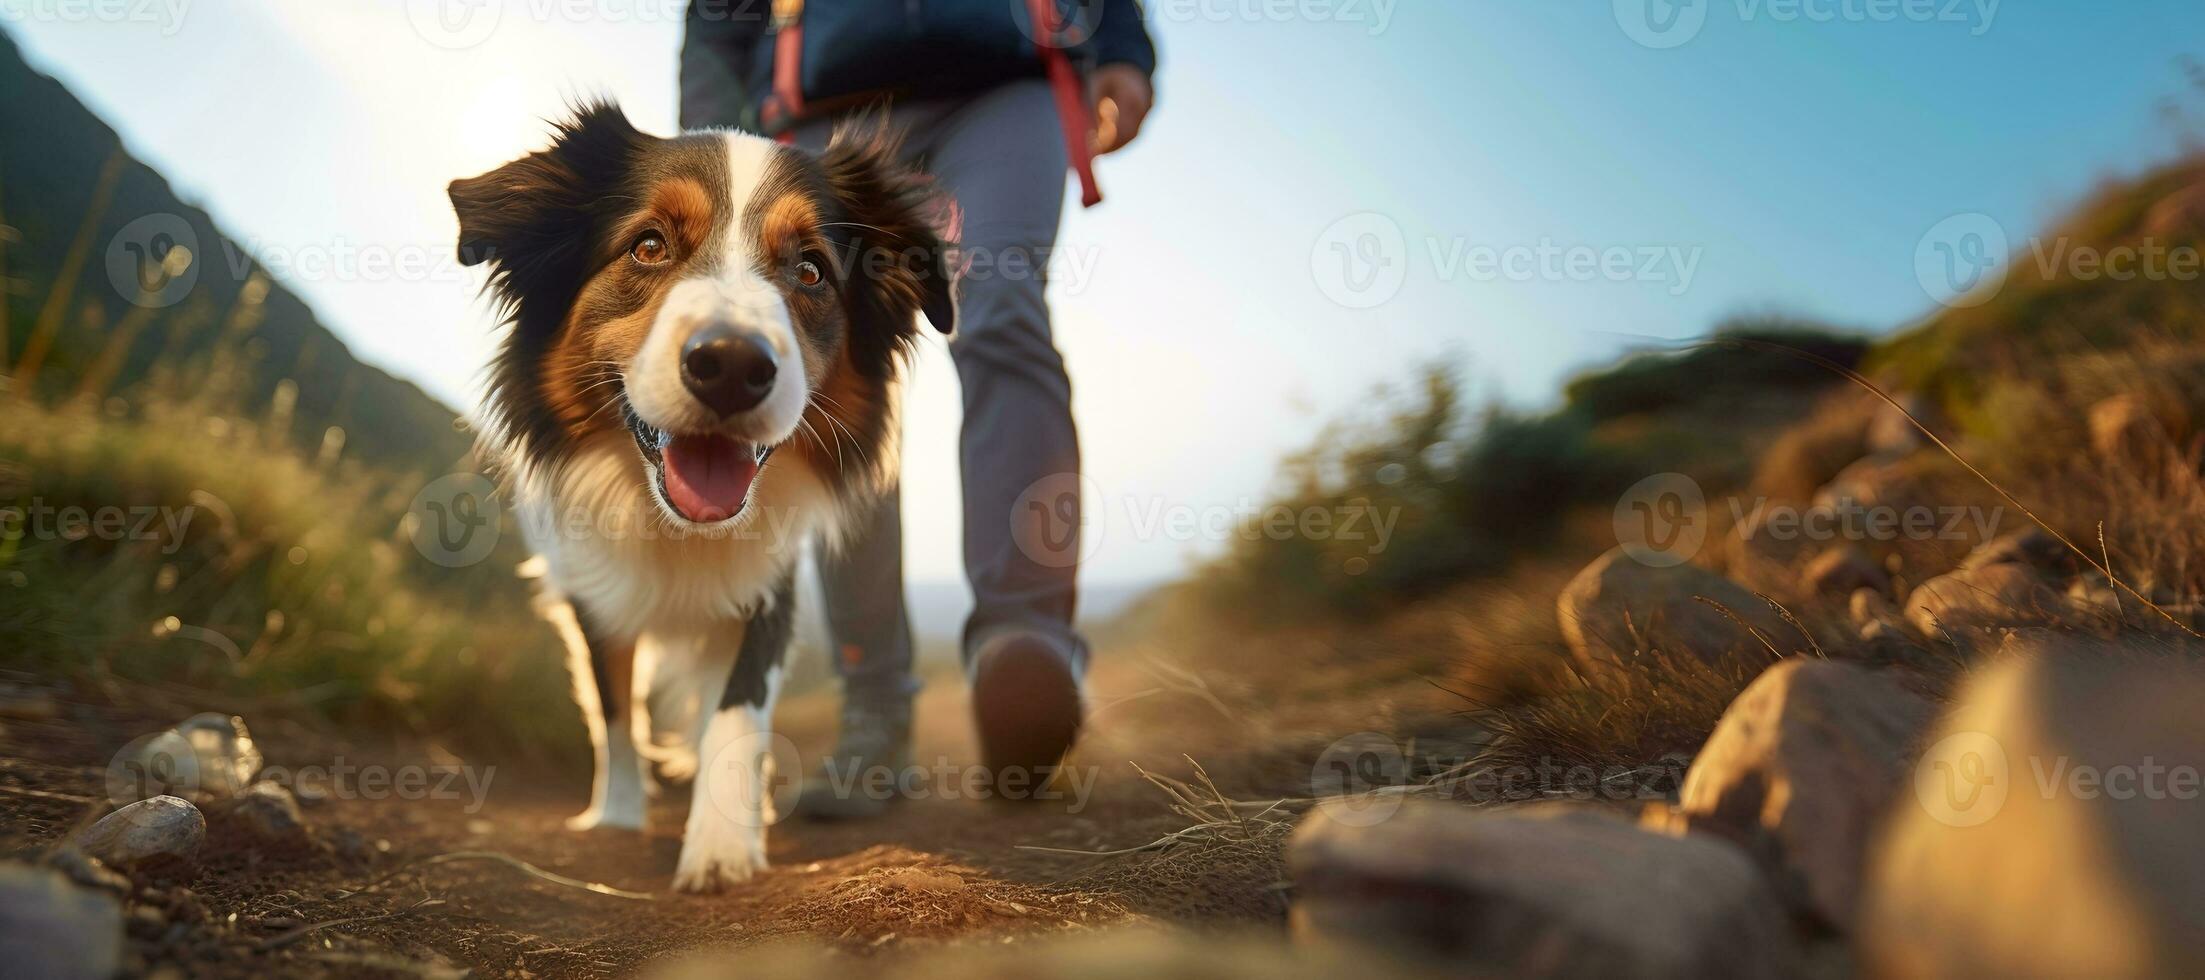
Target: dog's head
{"points": [[712, 296]]}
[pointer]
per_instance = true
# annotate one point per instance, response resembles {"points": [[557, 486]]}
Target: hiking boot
{"points": [[1026, 704], [876, 733]]}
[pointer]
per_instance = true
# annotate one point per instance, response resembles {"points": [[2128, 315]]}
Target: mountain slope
{"points": [[222, 329]]}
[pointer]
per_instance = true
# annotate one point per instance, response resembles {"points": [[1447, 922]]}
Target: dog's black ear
{"points": [[532, 218], [902, 263]]}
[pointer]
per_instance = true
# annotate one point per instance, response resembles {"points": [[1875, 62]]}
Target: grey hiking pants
{"points": [[1001, 154]]}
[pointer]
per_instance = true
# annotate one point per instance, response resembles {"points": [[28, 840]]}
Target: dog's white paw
{"points": [[678, 765], [719, 855], [611, 816]]}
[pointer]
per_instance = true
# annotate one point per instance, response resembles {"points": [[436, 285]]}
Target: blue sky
{"points": [[1788, 158]]}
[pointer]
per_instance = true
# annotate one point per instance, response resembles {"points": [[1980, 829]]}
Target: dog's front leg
{"points": [[737, 772], [603, 669]]}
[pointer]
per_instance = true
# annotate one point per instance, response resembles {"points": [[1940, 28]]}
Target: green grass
{"points": [[293, 587]]}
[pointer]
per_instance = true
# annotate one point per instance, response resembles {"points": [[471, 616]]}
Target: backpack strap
{"points": [[785, 105], [1071, 96]]}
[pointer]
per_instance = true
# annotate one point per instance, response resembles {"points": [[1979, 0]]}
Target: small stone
{"points": [[1867, 607], [162, 827], [228, 759], [51, 927], [88, 871], [267, 812], [1891, 434], [1618, 606], [1842, 571], [1801, 768], [2124, 431], [1988, 597], [1542, 890], [2033, 548]]}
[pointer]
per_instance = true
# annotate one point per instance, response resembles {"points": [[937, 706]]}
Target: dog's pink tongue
{"points": [[708, 477]]}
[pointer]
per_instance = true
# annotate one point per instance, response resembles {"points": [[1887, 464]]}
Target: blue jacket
{"points": [[859, 51]]}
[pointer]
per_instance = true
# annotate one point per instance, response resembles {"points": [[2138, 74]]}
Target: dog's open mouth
{"points": [[704, 477]]}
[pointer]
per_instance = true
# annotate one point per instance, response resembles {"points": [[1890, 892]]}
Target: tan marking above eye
{"points": [[789, 225]]}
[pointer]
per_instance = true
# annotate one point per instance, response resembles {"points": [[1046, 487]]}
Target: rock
{"points": [[1982, 598], [50, 927], [88, 871], [1868, 608], [2033, 548], [2052, 828], [1842, 570], [268, 813], [2095, 593], [205, 757], [160, 764], [164, 827], [1763, 553], [1617, 607], [228, 760], [2125, 431], [1877, 481], [1800, 769], [1112, 953], [1548, 889], [1890, 435]]}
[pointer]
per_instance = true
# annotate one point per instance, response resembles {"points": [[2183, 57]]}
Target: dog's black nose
{"points": [[728, 370]]}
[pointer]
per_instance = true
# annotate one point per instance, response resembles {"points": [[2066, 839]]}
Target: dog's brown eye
{"points": [[649, 249], [808, 274]]}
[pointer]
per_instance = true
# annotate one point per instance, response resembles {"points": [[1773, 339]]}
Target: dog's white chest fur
{"points": [[606, 545]]}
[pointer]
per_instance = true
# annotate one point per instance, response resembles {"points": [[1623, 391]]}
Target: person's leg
{"points": [[867, 619], [1002, 156], [869, 629]]}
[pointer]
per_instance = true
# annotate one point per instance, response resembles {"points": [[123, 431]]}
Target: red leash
{"points": [[1071, 98]]}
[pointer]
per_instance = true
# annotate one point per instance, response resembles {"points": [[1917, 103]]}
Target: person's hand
{"points": [[1121, 97]]}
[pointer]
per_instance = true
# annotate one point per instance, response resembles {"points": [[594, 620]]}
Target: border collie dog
{"points": [[706, 337]]}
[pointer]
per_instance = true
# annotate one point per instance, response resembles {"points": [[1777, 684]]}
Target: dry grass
{"points": [[291, 591]]}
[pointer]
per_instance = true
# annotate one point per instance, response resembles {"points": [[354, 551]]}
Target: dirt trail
{"points": [[935, 870]]}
